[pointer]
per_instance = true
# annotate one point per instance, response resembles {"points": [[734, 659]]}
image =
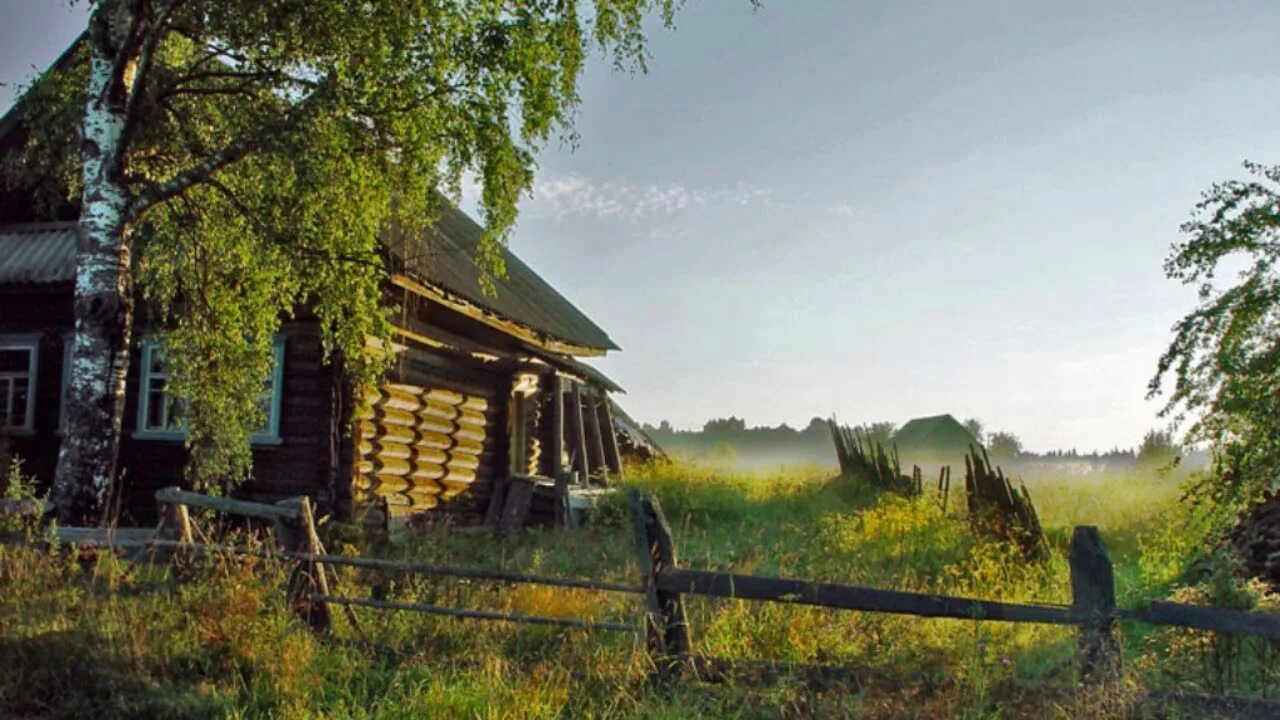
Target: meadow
{"points": [[211, 637]]}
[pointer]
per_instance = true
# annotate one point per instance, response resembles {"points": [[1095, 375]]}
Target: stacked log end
{"points": [[416, 448], [999, 510]]}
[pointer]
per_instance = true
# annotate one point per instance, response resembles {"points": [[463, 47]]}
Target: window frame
{"points": [[68, 345], [270, 435], [31, 343]]}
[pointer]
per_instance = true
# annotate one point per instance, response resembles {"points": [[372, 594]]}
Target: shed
{"points": [[934, 436]]}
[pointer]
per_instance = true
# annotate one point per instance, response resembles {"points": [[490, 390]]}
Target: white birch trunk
{"points": [[103, 290]]}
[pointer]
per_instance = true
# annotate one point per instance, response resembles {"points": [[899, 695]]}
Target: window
{"points": [[160, 416], [18, 382]]}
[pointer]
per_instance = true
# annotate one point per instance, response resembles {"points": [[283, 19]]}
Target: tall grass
{"points": [[92, 635]]}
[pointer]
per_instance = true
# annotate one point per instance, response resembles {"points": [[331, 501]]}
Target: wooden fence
{"points": [[664, 584]]}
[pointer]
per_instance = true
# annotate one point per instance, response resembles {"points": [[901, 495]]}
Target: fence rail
{"points": [[664, 585]]}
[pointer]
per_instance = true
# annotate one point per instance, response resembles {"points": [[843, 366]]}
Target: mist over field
{"points": [[730, 444]]}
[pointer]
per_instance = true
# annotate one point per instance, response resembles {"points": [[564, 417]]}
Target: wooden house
{"points": [[485, 387]]}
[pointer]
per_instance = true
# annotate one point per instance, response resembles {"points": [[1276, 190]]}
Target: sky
{"points": [[885, 210]]}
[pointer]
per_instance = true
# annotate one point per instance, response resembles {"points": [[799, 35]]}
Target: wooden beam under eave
{"points": [[597, 441], [612, 453], [580, 437], [485, 317]]}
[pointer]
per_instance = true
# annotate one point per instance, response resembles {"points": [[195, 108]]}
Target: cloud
{"points": [[577, 196]]}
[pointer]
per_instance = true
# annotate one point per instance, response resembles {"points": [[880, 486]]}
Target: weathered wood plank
{"points": [[648, 578], [595, 438], [582, 462], [675, 622], [1198, 617], [227, 505], [475, 614], [298, 536], [515, 508], [1093, 595], [851, 597], [26, 507], [612, 454]]}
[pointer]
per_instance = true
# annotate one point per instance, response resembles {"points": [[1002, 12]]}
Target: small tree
{"points": [[1158, 448], [1004, 445], [1224, 360], [241, 157], [974, 426], [878, 432]]}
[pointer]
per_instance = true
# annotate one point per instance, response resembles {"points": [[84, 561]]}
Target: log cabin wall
{"points": [[432, 437], [300, 463], [45, 313]]}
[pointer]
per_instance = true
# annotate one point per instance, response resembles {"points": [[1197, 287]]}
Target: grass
{"points": [[94, 635]]}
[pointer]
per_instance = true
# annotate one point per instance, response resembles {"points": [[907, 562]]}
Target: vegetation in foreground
{"points": [[88, 634]]}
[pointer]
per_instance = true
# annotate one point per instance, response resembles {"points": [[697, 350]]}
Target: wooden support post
{"points": [[564, 515], [582, 463], [557, 427], [497, 500], [175, 521], [667, 624], [515, 508], [307, 579], [612, 453], [1093, 600], [596, 440]]}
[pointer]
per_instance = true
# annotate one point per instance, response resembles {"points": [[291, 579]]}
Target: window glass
{"points": [[17, 375], [160, 414]]}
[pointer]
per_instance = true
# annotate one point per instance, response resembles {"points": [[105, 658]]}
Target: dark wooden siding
{"points": [[301, 464], [46, 312]]}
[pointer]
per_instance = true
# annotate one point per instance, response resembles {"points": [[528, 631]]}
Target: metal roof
{"points": [[446, 257], [38, 253]]}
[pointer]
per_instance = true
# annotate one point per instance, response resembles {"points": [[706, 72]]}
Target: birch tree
{"points": [[236, 159]]}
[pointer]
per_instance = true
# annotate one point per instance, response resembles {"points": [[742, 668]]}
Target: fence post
{"points": [[667, 625], [307, 577], [1093, 599], [175, 521]]}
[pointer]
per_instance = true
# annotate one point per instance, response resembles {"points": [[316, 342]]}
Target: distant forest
{"points": [[729, 440]]}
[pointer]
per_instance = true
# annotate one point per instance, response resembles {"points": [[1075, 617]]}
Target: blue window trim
{"points": [[270, 436], [26, 341]]}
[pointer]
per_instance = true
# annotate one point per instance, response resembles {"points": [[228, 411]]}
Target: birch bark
{"points": [[103, 285]]}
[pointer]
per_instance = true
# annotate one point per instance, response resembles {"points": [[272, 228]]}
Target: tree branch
{"points": [[194, 175]]}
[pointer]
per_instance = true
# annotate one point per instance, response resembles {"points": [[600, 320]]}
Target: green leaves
{"points": [[1224, 360], [344, 115]]}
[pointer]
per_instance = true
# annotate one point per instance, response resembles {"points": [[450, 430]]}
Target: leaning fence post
{"points": [[667, 625], [1093, 600], [175, 521], [297, 534]]}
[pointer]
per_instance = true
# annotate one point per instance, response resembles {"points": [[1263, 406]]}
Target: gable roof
{"points": [[45, 253], [938, 433], [445, 258]]}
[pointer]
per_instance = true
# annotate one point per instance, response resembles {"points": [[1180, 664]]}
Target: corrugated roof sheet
{"points": [[446, 258], [38, 253]]}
